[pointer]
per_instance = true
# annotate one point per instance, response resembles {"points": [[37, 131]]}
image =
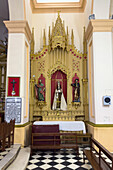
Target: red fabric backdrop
{"points": [[62, 77], [73, 81], [10, 86]]}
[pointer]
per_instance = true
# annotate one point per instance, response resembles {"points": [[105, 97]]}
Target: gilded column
{"points": [[85, 79]]}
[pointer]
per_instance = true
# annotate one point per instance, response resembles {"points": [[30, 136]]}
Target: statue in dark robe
{"points": [[76, 87]]}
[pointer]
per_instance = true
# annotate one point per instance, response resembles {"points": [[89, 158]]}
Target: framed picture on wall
{"points": [[13, 87]]}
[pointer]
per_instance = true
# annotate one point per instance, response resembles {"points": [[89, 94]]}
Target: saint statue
{"points": [[40, 91], [76, 86], [59, 102]]}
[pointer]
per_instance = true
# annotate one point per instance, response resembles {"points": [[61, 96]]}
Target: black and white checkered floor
{"points": [[3, 154], [58, 160]]}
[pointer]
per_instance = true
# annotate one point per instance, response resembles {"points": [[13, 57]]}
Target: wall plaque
{"points": [[13, 109]]}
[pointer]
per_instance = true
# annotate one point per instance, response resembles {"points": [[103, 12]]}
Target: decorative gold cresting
{"points": [[58, 37]]}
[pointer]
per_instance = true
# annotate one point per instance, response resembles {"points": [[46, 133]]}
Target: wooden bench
{"points": [[6, 134], [56, 140], [94, 155]]}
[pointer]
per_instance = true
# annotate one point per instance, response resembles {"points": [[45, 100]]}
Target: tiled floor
{"points": [[3, 154], [59, 160]]}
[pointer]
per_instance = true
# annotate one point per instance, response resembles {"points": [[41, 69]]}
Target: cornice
{"points": [[65, 7], [19, 27], [98, 25]]}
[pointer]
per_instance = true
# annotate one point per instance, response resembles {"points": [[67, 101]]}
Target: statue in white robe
{"points": [[59, 102]]}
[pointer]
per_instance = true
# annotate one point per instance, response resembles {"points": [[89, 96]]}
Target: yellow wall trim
{"points": [[98, 25], [19, 27], [103, 135], [23, 125], [100, 125], [65, 7]]}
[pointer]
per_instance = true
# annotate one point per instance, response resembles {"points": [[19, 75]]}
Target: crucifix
{"points": [[13, 82]]}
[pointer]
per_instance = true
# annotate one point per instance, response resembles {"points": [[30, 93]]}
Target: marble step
{"points": [[20, 163], [10, 157]]}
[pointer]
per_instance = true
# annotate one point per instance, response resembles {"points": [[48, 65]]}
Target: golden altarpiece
{"points": [[58, 61]]}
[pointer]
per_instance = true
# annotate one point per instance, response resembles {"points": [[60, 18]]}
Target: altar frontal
{"points": [[58, 86]]}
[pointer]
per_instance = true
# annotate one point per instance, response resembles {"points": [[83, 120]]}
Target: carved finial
{"points": [[59, 13], [67, 31], [67, 37], [32, 42], [52, 25], [44, 39], [63, 24], [49, 33], [72, 38], [84, 33], [84, 44], [49, 38]]}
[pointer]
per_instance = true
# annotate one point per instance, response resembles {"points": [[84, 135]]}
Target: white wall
{"points": [[101, 9], [103, 76], [28, 12], [16, 9], [87, 12]]}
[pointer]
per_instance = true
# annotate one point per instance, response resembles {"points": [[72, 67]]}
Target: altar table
{"points": [[65, 125]]}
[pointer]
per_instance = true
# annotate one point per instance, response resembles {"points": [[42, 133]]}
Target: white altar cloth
{"points": [[65, 125]]}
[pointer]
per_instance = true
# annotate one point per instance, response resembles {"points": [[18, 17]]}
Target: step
{"points": [[9, 158], [21, 162]]}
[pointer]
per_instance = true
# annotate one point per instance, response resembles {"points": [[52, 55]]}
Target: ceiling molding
{"points": [[19, 27], [64, 7], [98, 25]]}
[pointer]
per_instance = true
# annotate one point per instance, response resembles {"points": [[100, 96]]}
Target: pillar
{"points": [[18, 65], [100, 75]]}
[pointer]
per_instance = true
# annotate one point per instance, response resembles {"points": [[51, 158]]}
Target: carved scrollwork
{"points": [[58, 66], [41, 104], [76, 104]]}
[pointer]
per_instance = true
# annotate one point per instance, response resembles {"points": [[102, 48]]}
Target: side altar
{"points": [[58, 85]]}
